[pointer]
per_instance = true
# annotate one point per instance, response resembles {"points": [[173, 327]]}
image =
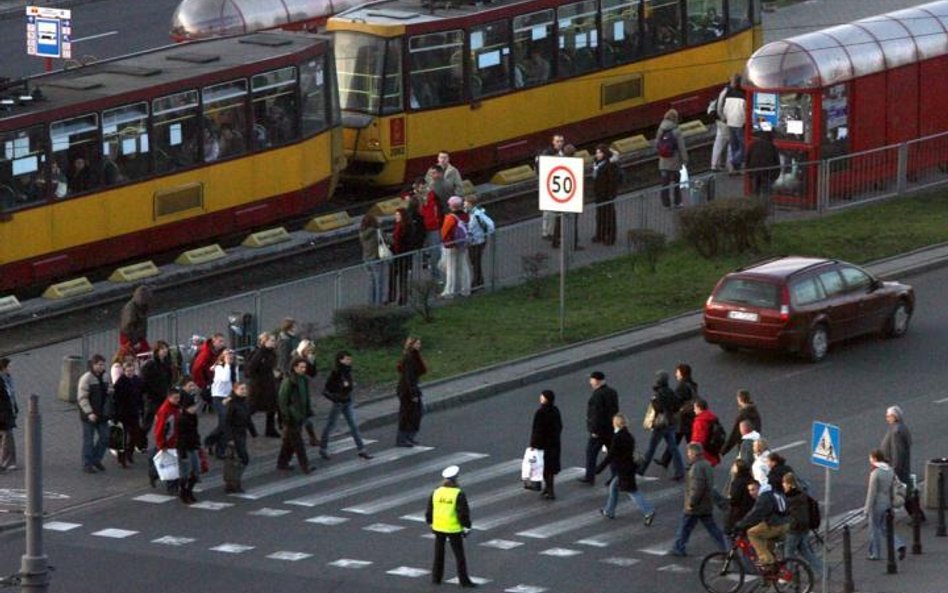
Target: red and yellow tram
{"points": [[164, 148], [490, 82]]}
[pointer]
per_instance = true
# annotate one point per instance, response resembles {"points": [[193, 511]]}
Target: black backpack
{"points": [[717, 437], [813, 510]]}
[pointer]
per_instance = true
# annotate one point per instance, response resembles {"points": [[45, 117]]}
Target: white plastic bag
{"points": [[166, 463], [385, 252], [532, 467], [684, 178]]}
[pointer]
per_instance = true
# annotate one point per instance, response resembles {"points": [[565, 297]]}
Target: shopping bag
{"points": [[166, 464], [531, 470], [385, 252], [683, 178]]}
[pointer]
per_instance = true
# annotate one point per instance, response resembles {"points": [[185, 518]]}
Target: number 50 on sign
{"points": [[561, 184]]}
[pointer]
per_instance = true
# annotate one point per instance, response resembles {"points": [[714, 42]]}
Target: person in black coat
{"points": [[260, 371], [746, 411], [157, 377], [778, 469], [128, 412], [602, 405], [606, 176], [410, 406], [665, 404], [763, 161], [739, 499], [188, 445], [547, 426], [685, 392], [621, 458], [239, 424]]}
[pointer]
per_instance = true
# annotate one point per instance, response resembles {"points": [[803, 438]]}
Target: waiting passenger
{"points": [[232, 142], [212, 147], [536, 67], [60, 183], [111, 173], [280, 126], [80, 178]]}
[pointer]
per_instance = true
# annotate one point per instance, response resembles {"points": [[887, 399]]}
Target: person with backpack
{"points": [[665, 406], [686, 391], [480, 228], [672, 155], [708, 431], [778, 469], [766, 522], [455, 238], [804, 513]]}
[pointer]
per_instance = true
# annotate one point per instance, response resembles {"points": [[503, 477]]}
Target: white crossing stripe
{"points": [[476, 580], [676, 568], [940, 401], [289, 556], [374, 482], [210, 505], [268, 512], [383, 528], [171, 540], [560, 552], [414, 517], [502, 544], [661, 549], [540, 508], [329, 473], [525, 589], [623, 562], [60, 526], [154, 498], [417, 495], [408, 571], [327, 520], [115, 533], [516, 488], [789, 446], [562, 526], [615, 536], [350, 563], [232, 548]]}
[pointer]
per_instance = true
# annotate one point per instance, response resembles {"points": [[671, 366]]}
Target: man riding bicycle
{"points": [[765, 523]]}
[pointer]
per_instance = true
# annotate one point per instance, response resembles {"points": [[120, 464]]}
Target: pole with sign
{"points": [[824, 451], [561, 190], [48, 33]]}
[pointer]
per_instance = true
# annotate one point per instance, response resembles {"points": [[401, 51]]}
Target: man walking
{"points": [[294, 407], [699, 483], [450, 519], [95, 406], [897, 447], [602, 406]]}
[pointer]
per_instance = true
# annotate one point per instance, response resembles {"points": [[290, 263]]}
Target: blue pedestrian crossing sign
{"points": [[824, 449]]}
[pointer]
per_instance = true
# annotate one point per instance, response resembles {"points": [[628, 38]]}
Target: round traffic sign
{"points": [[560, 184]]}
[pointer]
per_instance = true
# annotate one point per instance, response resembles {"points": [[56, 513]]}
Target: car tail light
{"points": [[785, 304]]}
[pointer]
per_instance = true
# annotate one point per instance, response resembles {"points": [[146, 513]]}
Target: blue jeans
{"points": [[737, 147], [347, 411], [219, 436], [376, 284], [95, 440], [797, 545], [433, 250], [593, 446], [877, 533], [189, 464], [636, 497], [688, 523], [668, 179], [666, 434]]}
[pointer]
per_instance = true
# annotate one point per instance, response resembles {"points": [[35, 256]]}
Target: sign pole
{"points": [[48, 64], [562, 276], [826, 533]]}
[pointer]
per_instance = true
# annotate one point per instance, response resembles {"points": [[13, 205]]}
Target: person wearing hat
{"points": [[450, 518], [188, 445], [601, 407]]}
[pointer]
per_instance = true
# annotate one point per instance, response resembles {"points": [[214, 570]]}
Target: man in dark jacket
{"points": [[767, 521], [294, 407], [897, 446], [603, 404], [95, 406], [7, 422], [763, 161], [665, 405], [746, 410], [699, 505]]}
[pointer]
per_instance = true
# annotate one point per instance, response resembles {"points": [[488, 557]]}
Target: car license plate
{"points": [[743, 315]]}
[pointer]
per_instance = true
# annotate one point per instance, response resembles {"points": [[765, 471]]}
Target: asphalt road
{"points": [[351, 522]]}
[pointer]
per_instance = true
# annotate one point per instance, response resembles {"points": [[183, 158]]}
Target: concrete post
{"points": [[891, 567], [848, 585], [33, 567]]}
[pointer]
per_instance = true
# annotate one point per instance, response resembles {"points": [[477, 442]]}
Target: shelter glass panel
{"points": [[835, 121], [23, 168], [225, 120], [705, 21], [77, 152], [533, 44], [739, 15], [175, 131], [490, 58], [620, 31], [360, 59], [436, 69], [316, 116], [790, 115], [662, 26], [578, 38], [125, 144], [275, 108]]}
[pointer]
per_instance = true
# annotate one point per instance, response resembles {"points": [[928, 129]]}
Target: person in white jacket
{"points": [[760, 469], [732, 112], [226, 376]]}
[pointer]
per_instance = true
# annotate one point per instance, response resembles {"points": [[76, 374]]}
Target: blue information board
{"points": [[824, 445]]}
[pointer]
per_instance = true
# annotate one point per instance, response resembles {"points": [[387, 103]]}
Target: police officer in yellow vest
{"points": [[450, 518]]}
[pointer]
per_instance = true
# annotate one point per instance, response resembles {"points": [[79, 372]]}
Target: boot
{"points": [[230, 487], [271, 430], [121, 460], [183, 492], [313, 441], [191, 482]]}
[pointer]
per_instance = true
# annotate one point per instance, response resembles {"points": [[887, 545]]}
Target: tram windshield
{"points": [[369, 73]]}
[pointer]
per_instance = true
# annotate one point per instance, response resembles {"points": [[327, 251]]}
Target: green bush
{"points": [[372, 327], [726, 226], [647, 245]]}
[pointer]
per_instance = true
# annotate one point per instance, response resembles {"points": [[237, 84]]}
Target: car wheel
{"points": [[898, 321], [818, 343], [728, 347]]}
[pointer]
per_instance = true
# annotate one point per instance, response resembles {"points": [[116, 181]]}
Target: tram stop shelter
{"points": [[835, 97]]}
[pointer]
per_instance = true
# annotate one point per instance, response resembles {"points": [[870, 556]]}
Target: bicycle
{"points": [[725, 572]]}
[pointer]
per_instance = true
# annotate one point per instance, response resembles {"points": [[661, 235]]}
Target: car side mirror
{"points": [[875, 285]]}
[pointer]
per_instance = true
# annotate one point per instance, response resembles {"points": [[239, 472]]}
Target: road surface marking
{"points": [[155, 498], [232, 548], [414, 517], [525, 589], [383, 528], [268, 512], [677, 568], [374, 482], [96, 36], [408, 571], [502, 544], [478, 580], [623, 562], [210, 505], [789, 446], [327, 520], [941, 401], [560, 552], [115, 533], [61, 526], [171, 540], [289, 556], [350, 563]]}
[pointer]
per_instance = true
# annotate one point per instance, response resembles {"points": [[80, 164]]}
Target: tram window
{"points": [[437, 69], [620, 31], [360, 59], [22, 168], [662, 25], [490, 59], [275, 108], [225, 120], [705, 21], [739, 15], [313, 91], [533, 43], [175, 130], [125, 144], [392, 91], [77, 152], [578, 38]]}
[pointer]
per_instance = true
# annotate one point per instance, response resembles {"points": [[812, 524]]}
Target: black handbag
{"points": [[116, 437]]}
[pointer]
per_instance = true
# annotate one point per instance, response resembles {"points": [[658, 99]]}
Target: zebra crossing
{"points": [[384, 497]]}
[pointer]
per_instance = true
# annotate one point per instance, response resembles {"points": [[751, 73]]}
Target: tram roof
{"points": [[411, 12], [162, 66], [844, 52]]}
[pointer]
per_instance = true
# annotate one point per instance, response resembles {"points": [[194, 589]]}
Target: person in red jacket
{"points": [[166, 432], [432, 212], [202, 368], [701, 429]]}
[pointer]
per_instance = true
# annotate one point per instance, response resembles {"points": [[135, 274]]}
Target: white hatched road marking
{"points": [[941, 401], [268, 512], [789, 446], [502, 544], [327, 520], [171, 540], [414, 517], [478, 580], [232, 548], [383, 528], [525, 589], [623, 562], [560, 552], [350, 563], [540, 508], [210, 505], [115, 533], [416, 495], [676, 568], [661, 549], [408, 571], [60, 526], [329, 473], [374, 482], [289, 556], [154, 498]]}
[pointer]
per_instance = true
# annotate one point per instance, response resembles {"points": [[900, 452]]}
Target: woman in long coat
{"points": [[547, 426], [621, 458], [410, 407], [260, 371]]}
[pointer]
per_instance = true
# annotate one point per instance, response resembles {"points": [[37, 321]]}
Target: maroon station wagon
{"points": [[802, 305]]}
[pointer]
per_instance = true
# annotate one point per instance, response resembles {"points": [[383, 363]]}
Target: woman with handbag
{"points": [[545, 436], [621, 458], [410, 406], [878, 503], [400, 268], [659, 419], [374, 250]]}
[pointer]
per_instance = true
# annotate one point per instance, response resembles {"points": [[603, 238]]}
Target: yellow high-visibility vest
{"points": [[444, 515]]}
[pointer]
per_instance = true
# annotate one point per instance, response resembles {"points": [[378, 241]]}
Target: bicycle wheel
{"points": [[722, 572], [794, 576]]}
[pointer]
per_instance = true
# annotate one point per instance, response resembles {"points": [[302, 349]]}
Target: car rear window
{"points": [[744, 291]]}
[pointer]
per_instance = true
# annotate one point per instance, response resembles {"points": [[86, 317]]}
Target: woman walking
{"points": [[128, 412], [879, 503], [621, 458], [238, 425], [339, 391], [410, 406], [307, 351], [739, 499], [261, 370], [545, 436]]}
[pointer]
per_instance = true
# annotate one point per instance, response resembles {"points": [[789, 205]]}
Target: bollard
{"points": [[891, 567], [34, 572], [941, 532], [917, 525], [848, 585], [72, 369]]}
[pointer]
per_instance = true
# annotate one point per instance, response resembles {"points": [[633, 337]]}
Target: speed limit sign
{"points": [[561, 184]]}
